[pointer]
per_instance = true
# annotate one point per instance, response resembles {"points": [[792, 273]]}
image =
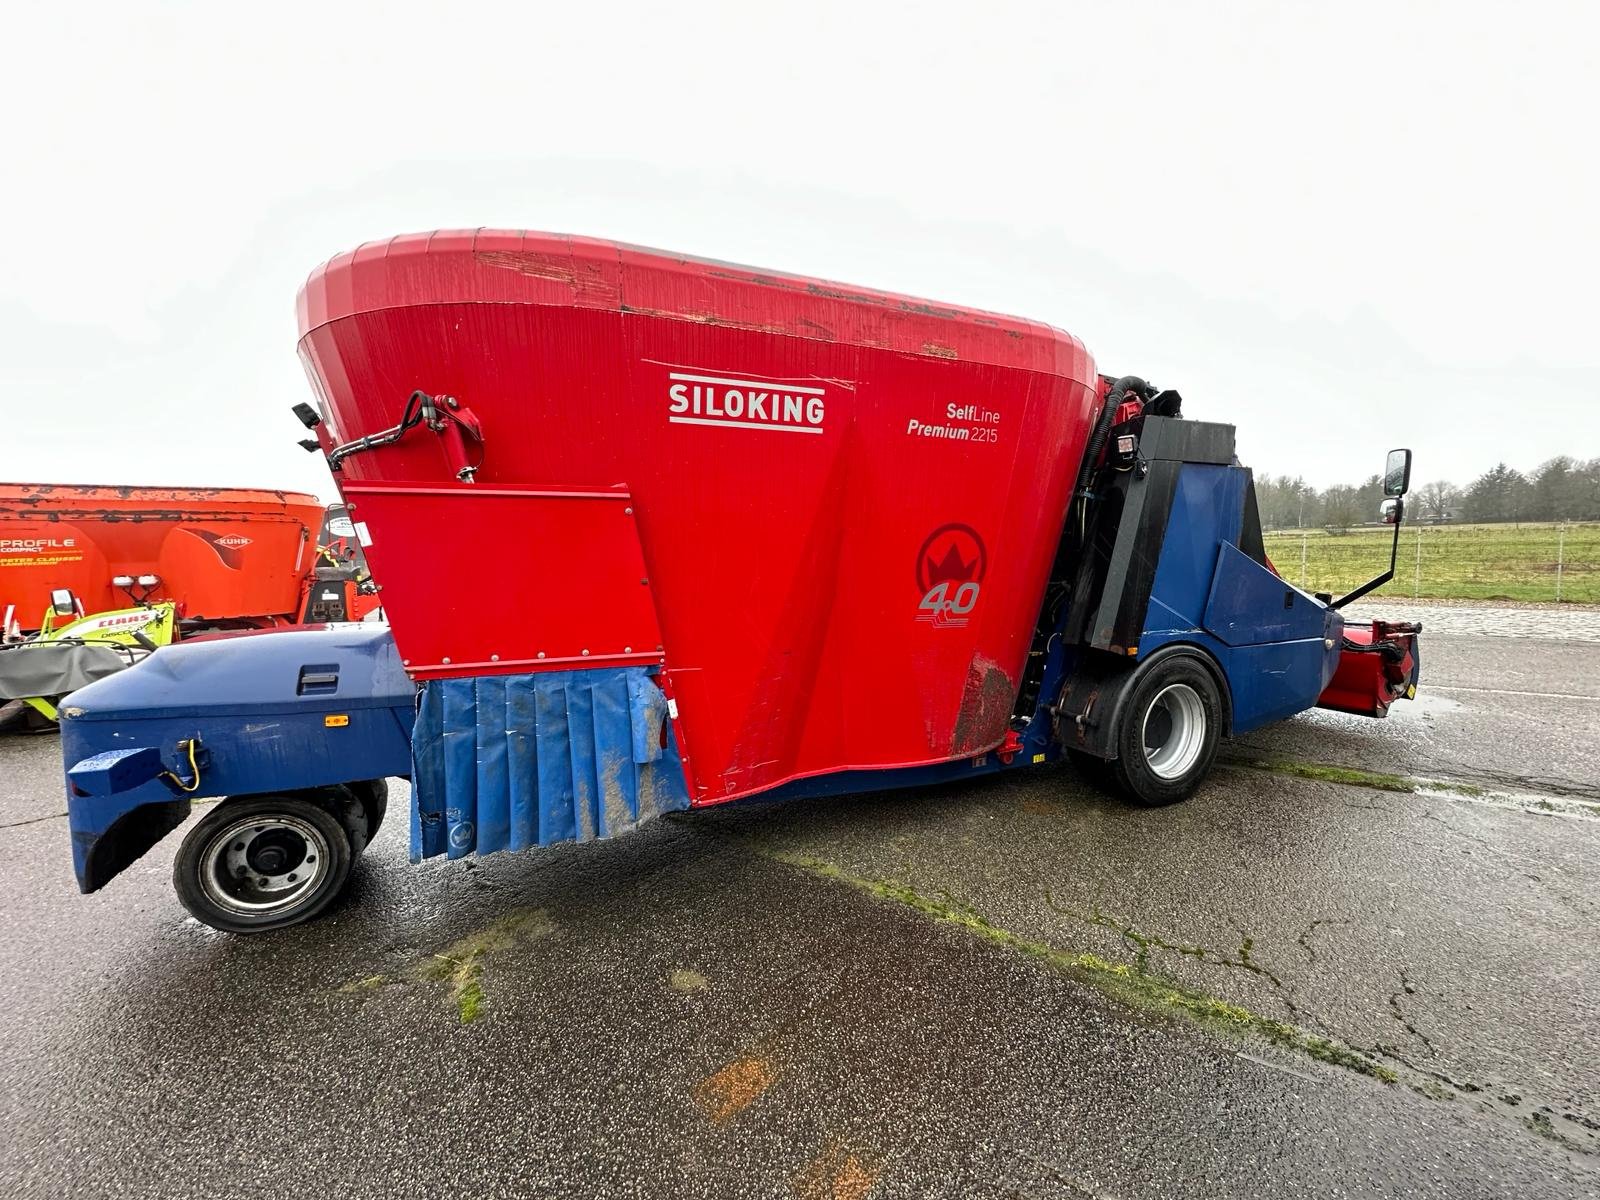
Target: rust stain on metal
{"points": [[838, 1173], [587, 279], [929, 310], [822, 331], [938, 351], [705, 318], [986, 702], [831, 293], [772, 281], [539, 266], [734, 1088]]}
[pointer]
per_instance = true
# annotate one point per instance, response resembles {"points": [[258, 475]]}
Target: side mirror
{"points": [[63, 603], [1390, 510], [1397, 473]]}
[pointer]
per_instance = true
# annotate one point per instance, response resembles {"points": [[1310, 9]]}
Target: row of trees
{"points": [[1562, 489]]}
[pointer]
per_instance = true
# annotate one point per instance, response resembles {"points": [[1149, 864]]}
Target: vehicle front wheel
{"points": [[262, 862], [1168, 732]]}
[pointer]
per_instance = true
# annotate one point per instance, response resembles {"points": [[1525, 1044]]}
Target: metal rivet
{"points": [[586, 654], [494, 658], [445, 659], [405, 662], [627, 512], [627, 649], [541, 654]]}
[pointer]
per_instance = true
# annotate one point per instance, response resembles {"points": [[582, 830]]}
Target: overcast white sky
{"points": [[1342, 227]]}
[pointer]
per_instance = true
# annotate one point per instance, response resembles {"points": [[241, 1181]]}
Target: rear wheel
{"points": [[1093, 769], [373, 796], [261, 863], [1168, 732]]}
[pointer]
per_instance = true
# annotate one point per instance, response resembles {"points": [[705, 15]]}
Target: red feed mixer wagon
{"points": [[810, 536], [94, 578], [658, 532], [230, 556]]}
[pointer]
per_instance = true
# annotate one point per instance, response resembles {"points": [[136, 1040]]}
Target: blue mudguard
{"points": [[506, 762]]}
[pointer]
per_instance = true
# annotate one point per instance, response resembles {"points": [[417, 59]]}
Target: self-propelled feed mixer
{"points": [[754, 533]]}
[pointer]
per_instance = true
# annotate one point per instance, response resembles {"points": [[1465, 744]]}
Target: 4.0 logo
{"points": [[950, 568]]}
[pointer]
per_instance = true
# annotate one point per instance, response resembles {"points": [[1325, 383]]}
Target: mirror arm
{"points": [[1394, 556]]}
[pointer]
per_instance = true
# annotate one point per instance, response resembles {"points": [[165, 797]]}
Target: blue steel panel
{"points": [[1273, 680], [1250, 605], [506, 762], [1209, 594], [113, 771], [252, 675], [1207, 509]]}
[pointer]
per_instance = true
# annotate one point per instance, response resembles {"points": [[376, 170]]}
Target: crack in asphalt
{"points": [[1435, 1084], [33, 820], [1304, 938], [1406, 989]]}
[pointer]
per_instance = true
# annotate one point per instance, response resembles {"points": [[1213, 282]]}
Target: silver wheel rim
{"points": [[264, 865], [1174, 731]]}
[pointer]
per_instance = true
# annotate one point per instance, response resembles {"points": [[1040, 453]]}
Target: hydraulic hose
{"points": [[1115, 394]]}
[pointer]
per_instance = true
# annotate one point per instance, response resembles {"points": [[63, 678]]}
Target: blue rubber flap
{"points": [[505, 762]]}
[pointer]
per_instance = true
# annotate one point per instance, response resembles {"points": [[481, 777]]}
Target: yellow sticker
{"points": [[336, 720], [1038, 758]]}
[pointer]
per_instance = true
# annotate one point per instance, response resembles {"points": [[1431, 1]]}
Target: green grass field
{"points": [[1450, 562]]}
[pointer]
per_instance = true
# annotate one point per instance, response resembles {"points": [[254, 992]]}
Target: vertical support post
{"points": [[1561, 557], [1302, 560], [1416, 578]]}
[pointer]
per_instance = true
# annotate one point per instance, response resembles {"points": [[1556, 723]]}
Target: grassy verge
{"points": [[1449, 562]]}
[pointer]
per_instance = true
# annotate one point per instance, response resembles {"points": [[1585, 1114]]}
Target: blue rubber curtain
{"points": [[506, 762]]}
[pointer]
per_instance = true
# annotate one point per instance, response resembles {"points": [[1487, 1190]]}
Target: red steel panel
{"points": [[580, 596], [807, 461]]}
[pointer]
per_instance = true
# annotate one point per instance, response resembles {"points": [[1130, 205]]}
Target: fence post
{"points": [[1416, 578], [1302, 560], [1561, 557]]}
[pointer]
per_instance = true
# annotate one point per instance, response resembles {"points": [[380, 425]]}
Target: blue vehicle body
{"points": [[265, 713], [1174, 566]]}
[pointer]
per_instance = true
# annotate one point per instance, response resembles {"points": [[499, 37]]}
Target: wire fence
{"points": [[1555, 562]]}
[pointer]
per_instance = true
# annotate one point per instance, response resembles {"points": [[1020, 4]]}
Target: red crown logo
{"points": [[952, 568], [952, 554]]}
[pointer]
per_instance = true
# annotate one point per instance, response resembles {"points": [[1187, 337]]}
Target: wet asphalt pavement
{"points": [[1287, 986]]}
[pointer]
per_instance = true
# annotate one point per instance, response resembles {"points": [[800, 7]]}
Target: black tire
{"points": [[374, 797], [1167, 731], [262, 862], [1094, 770]]}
